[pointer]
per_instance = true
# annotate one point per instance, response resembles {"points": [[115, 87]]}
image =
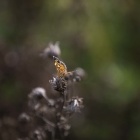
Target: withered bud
{"points": [[74, 105], [58, 84], [37, 93], [79, 74], [38, 134], [24, 118], [52, 50]]}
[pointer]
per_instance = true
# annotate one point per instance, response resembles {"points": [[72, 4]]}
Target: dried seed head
{"points": [[38, 134], [37, 93], [74, 105], [24, 118], [58, 84], [79, 74], [52, 50]]}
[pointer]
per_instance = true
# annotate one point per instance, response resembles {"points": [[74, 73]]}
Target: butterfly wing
{"points": [[60, 67]]}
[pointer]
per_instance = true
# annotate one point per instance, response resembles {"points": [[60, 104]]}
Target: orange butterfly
{"points": [[60, 67]]}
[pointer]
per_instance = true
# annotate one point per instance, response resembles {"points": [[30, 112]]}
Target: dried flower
{"points": [[24, 118], [38, 134], [52, 50], [74, 105], [78, 74], [38, 93], [58, 84]]}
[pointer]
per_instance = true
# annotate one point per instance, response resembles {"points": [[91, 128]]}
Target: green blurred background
{"points": [[101, 36]]}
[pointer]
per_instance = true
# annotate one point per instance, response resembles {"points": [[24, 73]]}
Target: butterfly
{"points": [[60, 67]]}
